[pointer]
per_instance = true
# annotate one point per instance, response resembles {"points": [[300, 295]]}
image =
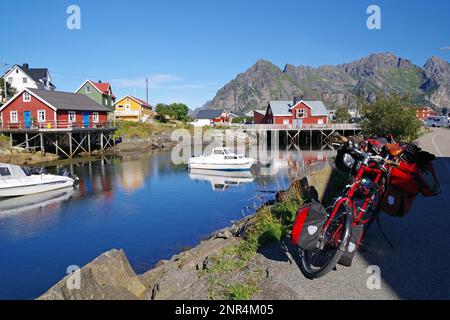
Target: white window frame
{"points": [[69, 116], [286, 122], [95, 117], [128, 107], [14, 119], [44, 119], [297, 112], [88, 89], [24, 80], [26, 97]]}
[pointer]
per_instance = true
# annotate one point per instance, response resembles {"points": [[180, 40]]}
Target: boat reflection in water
{"points": [[222, 180], [45, 201]]}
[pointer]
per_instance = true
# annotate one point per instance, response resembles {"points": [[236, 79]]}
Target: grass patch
{"points": [[269, 224], [241, 291], [4, 141]]}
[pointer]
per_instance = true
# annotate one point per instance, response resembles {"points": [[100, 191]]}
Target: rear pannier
{"points": [[404, 178], [396, 203], [308, 225], [428, 183]]}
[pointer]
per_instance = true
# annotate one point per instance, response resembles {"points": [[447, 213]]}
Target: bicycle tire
{"points": [[331, 264]]}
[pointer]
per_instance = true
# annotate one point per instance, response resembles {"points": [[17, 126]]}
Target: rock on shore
{"points": [[20, 156]]}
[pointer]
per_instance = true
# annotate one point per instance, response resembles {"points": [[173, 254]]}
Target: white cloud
{"points": [[154, 81], [157, 81], [445, 48]]}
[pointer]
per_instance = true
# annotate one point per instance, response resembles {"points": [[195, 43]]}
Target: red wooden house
{"points": [[33, 108], [295, 113], [422, 113]]}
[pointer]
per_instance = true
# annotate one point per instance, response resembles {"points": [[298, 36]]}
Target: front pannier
{"points": [[308, 225], [396, 203], [352, 246]]}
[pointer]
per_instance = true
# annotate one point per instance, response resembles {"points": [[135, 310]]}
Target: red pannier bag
{"points": [[403, 177], [428, 183], [308, 225], [396, 203]]}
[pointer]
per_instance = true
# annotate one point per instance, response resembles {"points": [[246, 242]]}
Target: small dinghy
{"points": [[15, 181], [221, 159]]}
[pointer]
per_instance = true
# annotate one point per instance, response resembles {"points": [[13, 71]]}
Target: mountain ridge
{"points": [[336, 85]]}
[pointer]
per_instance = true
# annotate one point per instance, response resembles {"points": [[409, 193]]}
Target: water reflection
{"points": [[221, 180], [141, 203], [47, 202]]}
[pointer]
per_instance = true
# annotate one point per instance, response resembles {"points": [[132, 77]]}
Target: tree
{"points": [[9, 90], [445, 111], [391, 114], [174, 111], [342, 115]]}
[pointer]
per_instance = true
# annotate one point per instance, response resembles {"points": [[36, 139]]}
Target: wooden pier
{"points": [[295, 134], [62, 139]]}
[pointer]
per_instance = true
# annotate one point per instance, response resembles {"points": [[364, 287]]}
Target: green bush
{"points": [[391, 114]]}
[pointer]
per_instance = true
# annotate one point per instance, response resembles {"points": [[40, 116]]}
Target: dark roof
{"points": [[69, 101], [209, 114]]}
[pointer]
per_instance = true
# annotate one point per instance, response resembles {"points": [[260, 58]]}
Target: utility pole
{"points": [[5, 93], [146, 87]]}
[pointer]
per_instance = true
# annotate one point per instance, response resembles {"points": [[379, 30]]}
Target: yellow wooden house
{"points": [[130, 108]]}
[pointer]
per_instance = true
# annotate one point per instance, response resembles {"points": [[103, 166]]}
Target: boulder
{"points": [[109, 277], [179, 278]]}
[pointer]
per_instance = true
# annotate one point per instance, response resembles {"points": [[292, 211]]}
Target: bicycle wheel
{"points": [[333, 241]]}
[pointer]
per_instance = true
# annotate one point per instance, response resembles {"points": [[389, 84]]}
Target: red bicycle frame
{"points": [[359, 213]]}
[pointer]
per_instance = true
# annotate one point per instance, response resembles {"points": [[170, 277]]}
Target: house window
{"points": [[10, 80], [106, 101], [41, 115], [286, 121], [95, 117], [72, 116], [300, 113], [25, 80], [127, 107], [88, 89], [120, 106], [13, 117], [26, 97]]}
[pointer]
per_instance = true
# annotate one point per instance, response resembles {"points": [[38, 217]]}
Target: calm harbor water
{"points": [[140, 203]]}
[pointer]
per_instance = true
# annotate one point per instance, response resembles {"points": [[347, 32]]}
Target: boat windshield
{"points": [[10, 171]]}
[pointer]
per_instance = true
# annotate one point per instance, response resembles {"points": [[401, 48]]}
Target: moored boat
{"points": [[15, 182], [221, 159]]}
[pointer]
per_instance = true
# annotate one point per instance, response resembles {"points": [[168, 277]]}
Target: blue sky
{"points": [[190, 49]]}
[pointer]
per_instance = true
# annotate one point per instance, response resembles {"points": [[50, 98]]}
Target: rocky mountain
{"points": [[337, 85]]}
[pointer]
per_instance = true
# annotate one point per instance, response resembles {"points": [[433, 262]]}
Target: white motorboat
{"points": [[221, 159], [14, 182]]}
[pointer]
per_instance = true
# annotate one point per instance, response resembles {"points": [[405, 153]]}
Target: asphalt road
{"points": [[417, 268]]}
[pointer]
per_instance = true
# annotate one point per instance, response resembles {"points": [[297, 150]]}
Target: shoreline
{"points": [[190, 274]]}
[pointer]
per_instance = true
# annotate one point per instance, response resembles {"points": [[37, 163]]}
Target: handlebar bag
{"points": [[395, 202], [352, 246], [403, 177], [428, 182], [308, 225]]}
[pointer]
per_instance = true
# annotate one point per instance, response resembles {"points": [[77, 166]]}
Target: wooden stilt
{"points": [[42, 144], [70, 145]]}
